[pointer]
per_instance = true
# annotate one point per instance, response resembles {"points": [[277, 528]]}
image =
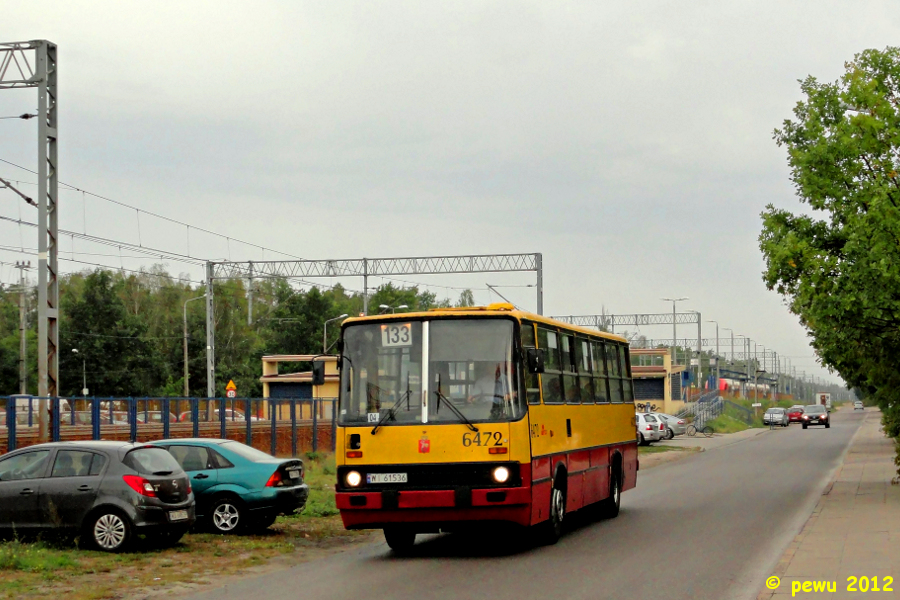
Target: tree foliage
{"points": [[128, 330], [838, 263]]}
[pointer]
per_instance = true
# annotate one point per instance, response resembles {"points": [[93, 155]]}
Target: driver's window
{"points": [[29, 465], [192, 458]]}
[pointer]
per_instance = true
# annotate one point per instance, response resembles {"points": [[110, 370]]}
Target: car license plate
{"points": [[386, 478], [294, 473], [178, 515]]}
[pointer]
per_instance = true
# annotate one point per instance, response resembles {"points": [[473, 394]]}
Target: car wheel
{"points": [[827, 425], [226, 515], [609, 508], [551, 530], [399, 539], [642, 441], [109, 531], [670, 435], [805, 426]]}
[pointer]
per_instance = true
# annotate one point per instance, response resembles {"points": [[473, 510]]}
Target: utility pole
{"points": [[187, 374], [717, 352], [23, 348], [210, 334], [674, 301], [249, 296]]}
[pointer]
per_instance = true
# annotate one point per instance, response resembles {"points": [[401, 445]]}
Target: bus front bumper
{"points": [[372, 510]]}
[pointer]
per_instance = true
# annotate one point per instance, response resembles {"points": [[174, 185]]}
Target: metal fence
{"points": [[280, 426]]}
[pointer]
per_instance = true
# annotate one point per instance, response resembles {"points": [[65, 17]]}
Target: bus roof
{"points": [[497, 309]]}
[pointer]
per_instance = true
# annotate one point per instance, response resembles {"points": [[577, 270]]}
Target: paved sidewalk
{"points": [[855, 527]]}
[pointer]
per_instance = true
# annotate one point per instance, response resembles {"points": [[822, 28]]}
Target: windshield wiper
{"points": [[452, 406], [392, 411]]}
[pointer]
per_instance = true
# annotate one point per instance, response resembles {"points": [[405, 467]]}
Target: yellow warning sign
{"points": [[230, 386]]}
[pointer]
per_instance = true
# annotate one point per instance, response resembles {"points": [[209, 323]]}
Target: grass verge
{"points": [[657, 449], [44, 568]]}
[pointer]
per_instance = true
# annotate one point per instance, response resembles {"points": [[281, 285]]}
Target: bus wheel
{"points": [[399, 539], [609, 508], [551, 530]]}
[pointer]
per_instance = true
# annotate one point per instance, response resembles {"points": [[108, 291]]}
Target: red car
{"points": [[795, 414]]}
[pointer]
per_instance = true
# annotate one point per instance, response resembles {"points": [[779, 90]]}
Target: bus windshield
{"points": [[469, 368]]}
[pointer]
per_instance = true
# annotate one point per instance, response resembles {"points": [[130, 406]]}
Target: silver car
{"points": [[648, 428], [674, 425], [858, 405], [776, 416]]}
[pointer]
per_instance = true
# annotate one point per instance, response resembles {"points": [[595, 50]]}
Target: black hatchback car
{"points": [[109, 492]]}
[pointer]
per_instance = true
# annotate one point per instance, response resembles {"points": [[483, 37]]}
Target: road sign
{"points": [[84, 391], [231, 389], [756, 404]]}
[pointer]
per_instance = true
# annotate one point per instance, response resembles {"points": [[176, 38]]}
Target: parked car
{"points": [[674, 425], [795, 414], [106, 491], [239, 487], [154, 416], [647, 428], [858, 405], [204, 416], [776, 416], [815, 414]]}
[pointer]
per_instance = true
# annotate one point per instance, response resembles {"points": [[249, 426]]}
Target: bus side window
{"points": [[626, 375], [551, 379], [532, 380], [583, 358], [570, 381], [601, 393], [615, 381]]}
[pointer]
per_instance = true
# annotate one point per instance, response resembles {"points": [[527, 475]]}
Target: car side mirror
{"points": [[318, 372], [534, 360]]}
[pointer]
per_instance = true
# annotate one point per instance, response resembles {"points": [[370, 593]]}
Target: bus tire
{"points": [[551, 530], [609, 508], [399, 539]]}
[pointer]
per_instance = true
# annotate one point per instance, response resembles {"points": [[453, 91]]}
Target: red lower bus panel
{"points": [[575, 492], [540, 501]]}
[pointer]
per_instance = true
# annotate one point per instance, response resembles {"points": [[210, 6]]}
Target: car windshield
{"points": [[814, 409], [469, 364], [152, 461], [247, 452]]}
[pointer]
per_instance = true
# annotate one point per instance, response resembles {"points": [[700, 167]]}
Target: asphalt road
{"points": [[709, 526]]}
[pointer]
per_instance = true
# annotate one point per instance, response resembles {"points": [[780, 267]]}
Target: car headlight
{"points": [[501, 474], [353, 478]]}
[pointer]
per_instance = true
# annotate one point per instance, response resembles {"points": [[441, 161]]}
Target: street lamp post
{"points": [[674, 301], [393, 309], [325, 332], [84, 390], [187, 389], [717, 351]]}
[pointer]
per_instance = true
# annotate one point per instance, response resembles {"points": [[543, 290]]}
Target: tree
{"points": [[838, 264]]}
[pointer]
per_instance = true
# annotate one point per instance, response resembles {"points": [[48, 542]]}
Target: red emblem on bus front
{"points": [[424, 445]]}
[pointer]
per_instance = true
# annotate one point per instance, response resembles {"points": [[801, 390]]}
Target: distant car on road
{"points": [[674, 425], [858, 405], [815, 414], [777, 416], [647, 428], [107, 491], [239, 487], [154, 416], [795, 413]]}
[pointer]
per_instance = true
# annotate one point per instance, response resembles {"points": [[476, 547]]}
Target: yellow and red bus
{"points": [[462, 416]]}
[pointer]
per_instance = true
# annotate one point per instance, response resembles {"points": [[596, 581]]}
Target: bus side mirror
{"points": [[318, 372], [534, 358]]}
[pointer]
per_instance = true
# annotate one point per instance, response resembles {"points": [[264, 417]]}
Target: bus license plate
{"points": [[178, 515], [386, 478]]}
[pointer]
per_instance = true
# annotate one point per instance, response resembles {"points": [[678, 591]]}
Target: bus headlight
{"points": [[500, 474], [353, 478]]}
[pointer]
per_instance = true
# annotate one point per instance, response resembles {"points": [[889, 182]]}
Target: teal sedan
{"points": [[238, 487]]}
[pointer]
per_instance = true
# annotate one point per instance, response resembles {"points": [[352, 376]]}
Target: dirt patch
{"points": [[648, 461]]}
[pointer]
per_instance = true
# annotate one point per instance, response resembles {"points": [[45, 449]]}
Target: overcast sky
{"points": [[630, 143]]}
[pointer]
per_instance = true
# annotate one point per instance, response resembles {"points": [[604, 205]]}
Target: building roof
{"points": [[301, 377], [299, 357]]}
